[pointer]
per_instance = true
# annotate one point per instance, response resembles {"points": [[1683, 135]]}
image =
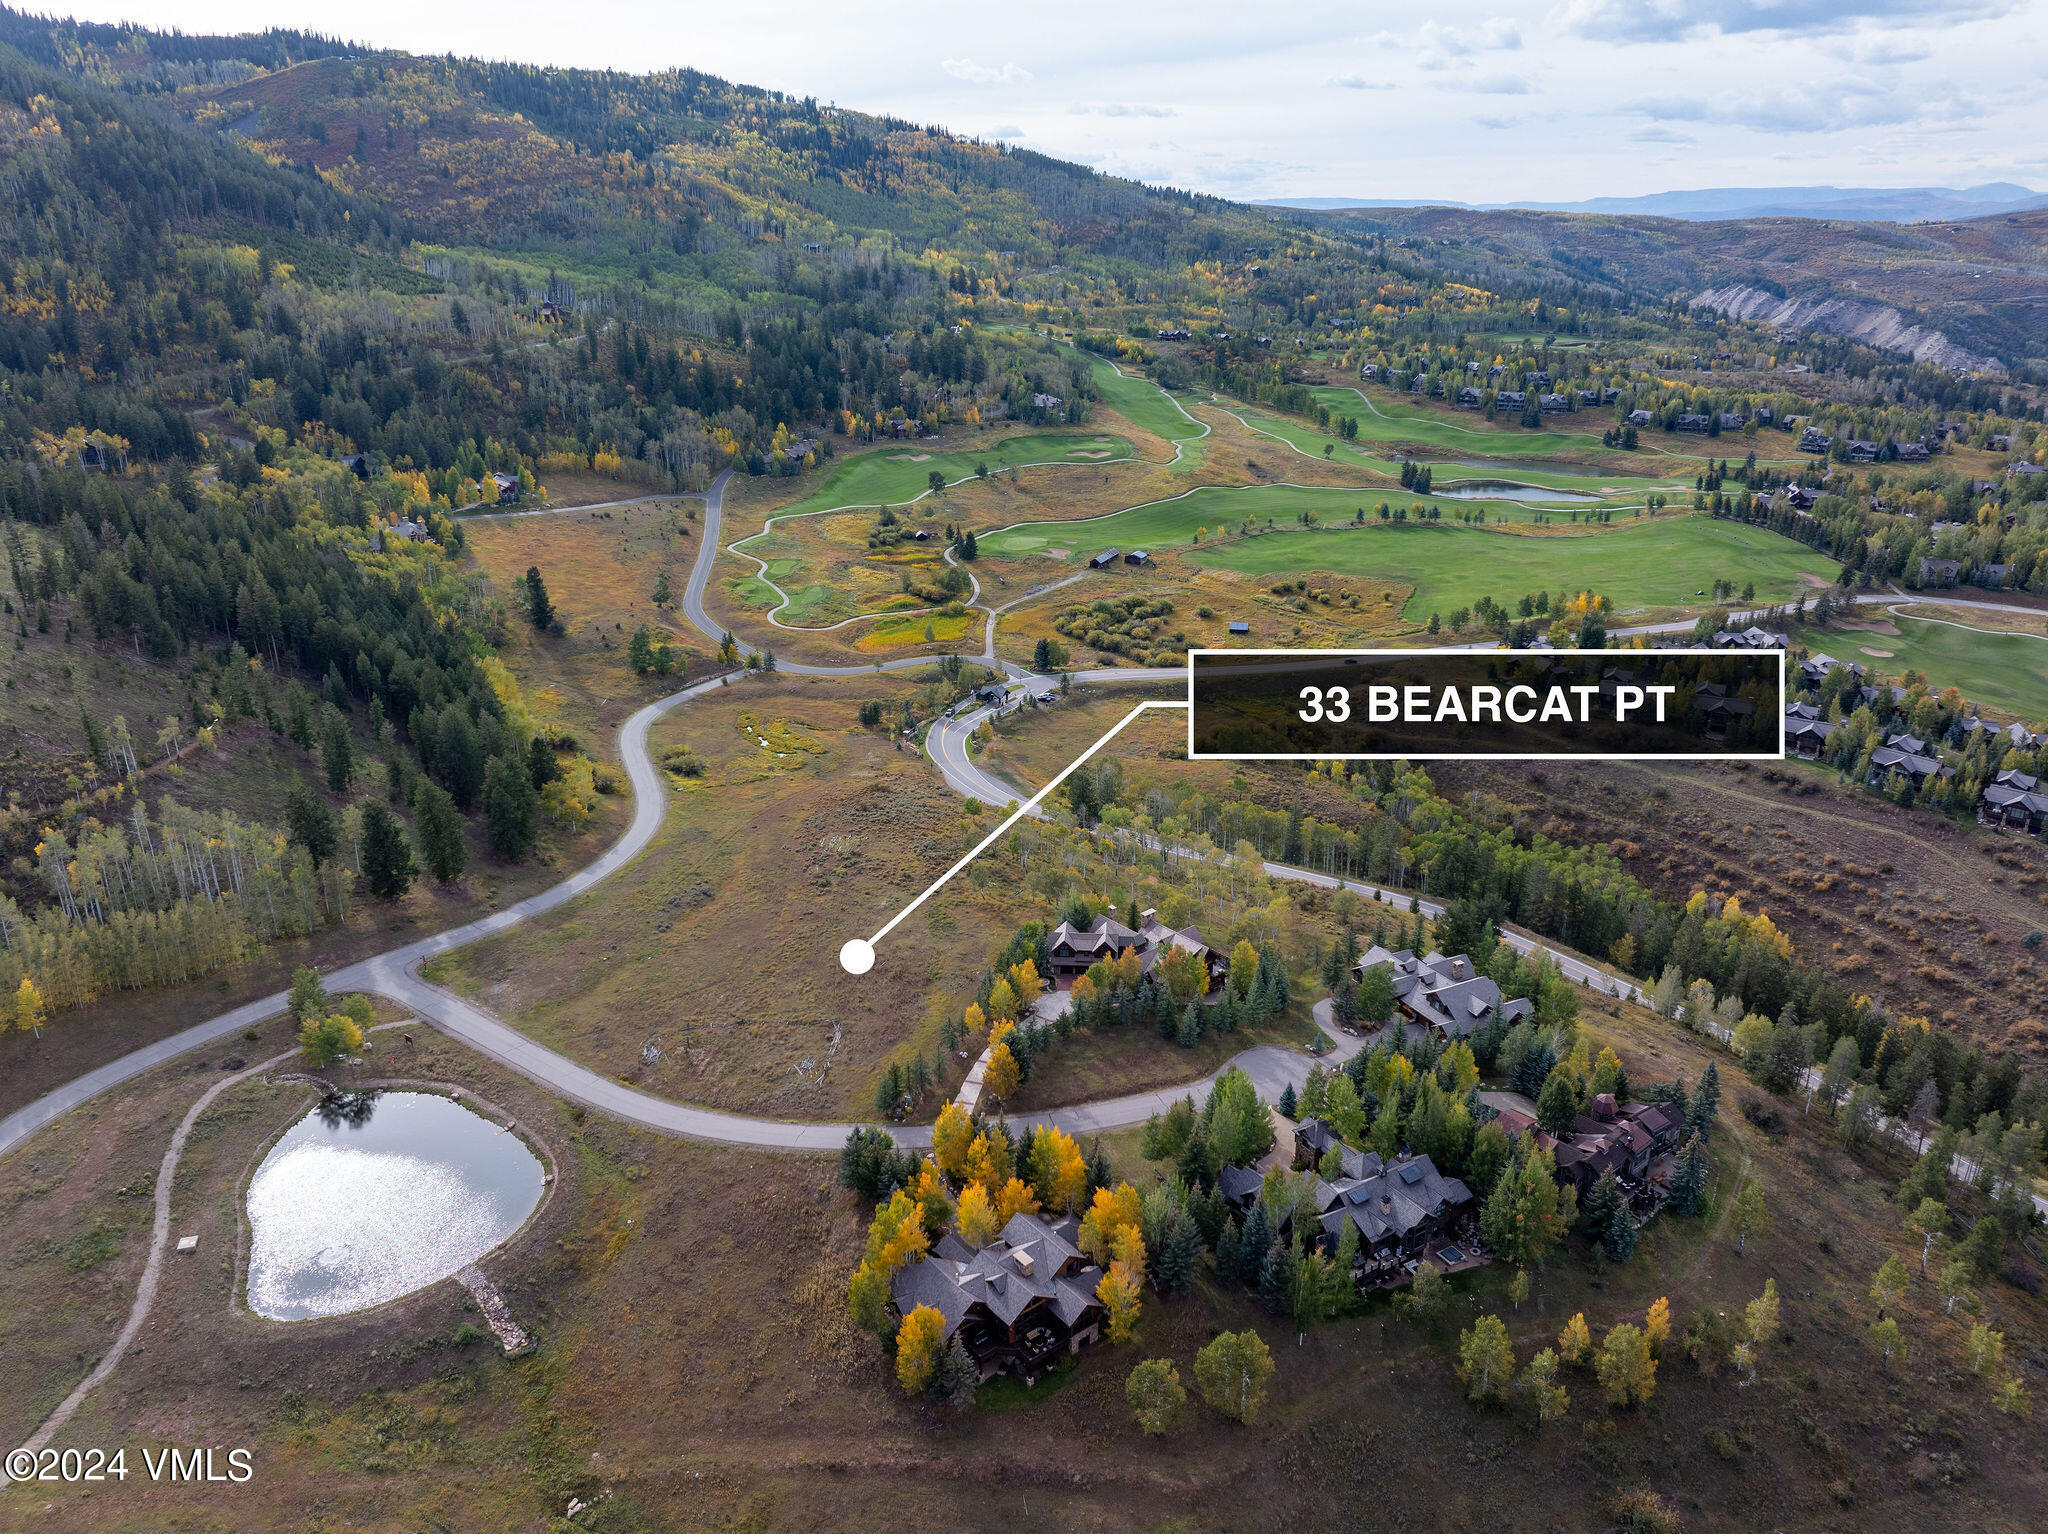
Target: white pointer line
{"points": [[857, 954]]}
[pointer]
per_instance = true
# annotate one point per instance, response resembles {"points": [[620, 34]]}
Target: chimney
{"points": [[1458, 968], [1022, 1258]]}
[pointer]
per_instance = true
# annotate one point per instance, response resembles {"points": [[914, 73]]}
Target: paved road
{"points": [[947, 743], [396, 973]]}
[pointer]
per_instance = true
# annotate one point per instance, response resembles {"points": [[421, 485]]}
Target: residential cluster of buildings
{"points": [[2012, 800], [1406, 1212], [1634, 1141]]}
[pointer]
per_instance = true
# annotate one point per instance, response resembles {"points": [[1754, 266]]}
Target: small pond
{"points": [[1534, 466], [370, 1197], [1500, 490]]}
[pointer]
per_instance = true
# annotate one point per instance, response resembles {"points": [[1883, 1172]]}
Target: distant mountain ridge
{"points": [[1898, 205]]}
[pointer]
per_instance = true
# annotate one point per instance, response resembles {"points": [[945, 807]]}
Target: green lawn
{"points": [[1143, 403], [2004, 671], [1613, 485], [1381, 419], [901, 472], [1656, 564], [1220, 508]]}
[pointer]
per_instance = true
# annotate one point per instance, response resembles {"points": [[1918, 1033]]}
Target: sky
{"points": [[1540, 100]]}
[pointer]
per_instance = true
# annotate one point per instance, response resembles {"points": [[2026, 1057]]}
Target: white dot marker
{"points": [[857, 956]]}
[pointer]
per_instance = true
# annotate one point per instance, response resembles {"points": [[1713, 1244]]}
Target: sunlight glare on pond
{"points": [[366, 1199]]}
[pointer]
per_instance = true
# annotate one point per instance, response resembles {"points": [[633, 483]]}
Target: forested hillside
{"points": [[275, 310]]}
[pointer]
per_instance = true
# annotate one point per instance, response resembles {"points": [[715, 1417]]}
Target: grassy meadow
{"points": [[901, 471], [1661, 564]]}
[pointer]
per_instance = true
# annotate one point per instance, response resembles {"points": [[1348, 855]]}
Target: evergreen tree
{"points": [[1176, 1261], [458, 755], [388, 867], [1256, 1238], [1533, 1071], [312, 824], [640, 651], [1689, 1182], [541, 765], [538, 607], [1602, 1199], [1274, 1275], [1229, 1252], [1618, 1238], [1705, 1103], [1288, 1102], [1099, 1173], [956, 1379], [1210, 1212], [335, 753], [442, 844], [95, 740], [509, 806], [889, 1092], [1190, 1030], [1195, 1165], [1928, 1177]]}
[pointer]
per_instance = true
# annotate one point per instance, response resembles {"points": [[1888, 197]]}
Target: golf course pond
{"points": [[374, 1195], [1501, 490]]}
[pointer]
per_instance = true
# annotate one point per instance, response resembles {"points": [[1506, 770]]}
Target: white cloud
{"points": [[1847, 105], [1121, 109], [1662, 21], [1499, 85], [1357, 82], [1006, 131], [984, 74]]}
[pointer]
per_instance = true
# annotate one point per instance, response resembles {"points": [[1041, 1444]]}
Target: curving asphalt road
{"points": [[947, 743], [396, 973]]}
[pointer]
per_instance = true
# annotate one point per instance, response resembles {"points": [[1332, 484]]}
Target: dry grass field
{"points": [[695, 1368], [601, 569], [1904, 905], [707, 971], [1331, 611]]}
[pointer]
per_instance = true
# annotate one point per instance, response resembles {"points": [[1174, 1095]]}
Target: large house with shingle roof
{"points": [[1404, 1212], [1448, 996], [1021, 1303], [1806, 732], [2014, 801], [1629, 1139], [1908, 755], [1073, 950]]}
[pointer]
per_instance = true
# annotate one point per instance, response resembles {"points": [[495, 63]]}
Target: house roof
{"points": [[1911, 762], [1451, 993], [1239, 1183], [1315, 1136], [1034, 1258], [1393, 1200]]}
